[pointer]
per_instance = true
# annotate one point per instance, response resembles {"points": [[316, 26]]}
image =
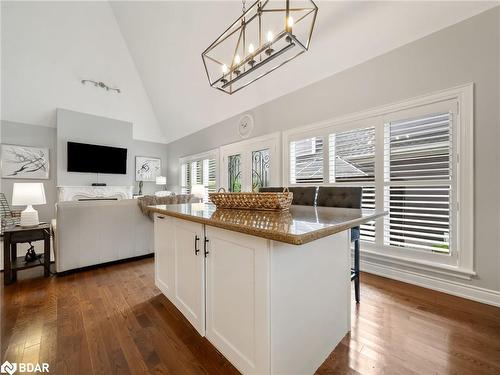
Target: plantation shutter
{"points": [[185, 178], [418, 174], [212, 176], [306, 161], [352, 156], [197, 172], [352, 159], [209, 176]]}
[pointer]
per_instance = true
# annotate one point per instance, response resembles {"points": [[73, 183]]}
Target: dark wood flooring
{"points": [[112, 320]]}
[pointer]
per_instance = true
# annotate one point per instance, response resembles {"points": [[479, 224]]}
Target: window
{"points": [[199, 170], [212, 175], [352, 160], [234, 173], [306, 161], [412, 159], [261, 170], [352, 155], [186, 178], [418, 155]]}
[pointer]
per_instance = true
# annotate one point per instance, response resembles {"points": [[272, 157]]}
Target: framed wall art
{"points": [[25, 162], [147, 168]]}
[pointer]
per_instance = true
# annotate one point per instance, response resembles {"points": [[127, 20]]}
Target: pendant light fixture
{"points": [[266, 36]]}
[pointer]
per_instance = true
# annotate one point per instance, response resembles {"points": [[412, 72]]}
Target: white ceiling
{"points": [[49, 47], [165, 39]]}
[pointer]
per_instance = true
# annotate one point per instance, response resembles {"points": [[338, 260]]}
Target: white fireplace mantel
{"points": [[74, 193]]}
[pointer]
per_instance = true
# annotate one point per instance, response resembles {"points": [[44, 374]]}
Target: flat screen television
{"points": [[83, 157]]}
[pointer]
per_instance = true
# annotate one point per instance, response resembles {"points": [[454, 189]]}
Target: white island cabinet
{"points": [[180, 267], [271, 291], [238, 319]]}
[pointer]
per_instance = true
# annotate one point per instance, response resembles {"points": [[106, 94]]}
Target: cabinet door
{"points": [[238, 318], [164, 256], [189, 269]]}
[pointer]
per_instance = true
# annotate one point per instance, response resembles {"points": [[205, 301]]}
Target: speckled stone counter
{"points": [[299, 225]]}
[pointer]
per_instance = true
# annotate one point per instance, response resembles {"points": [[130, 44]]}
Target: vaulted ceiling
{"points": [[165, 39]]}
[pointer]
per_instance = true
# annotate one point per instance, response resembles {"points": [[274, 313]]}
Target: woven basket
{"points": [[252, 201]]}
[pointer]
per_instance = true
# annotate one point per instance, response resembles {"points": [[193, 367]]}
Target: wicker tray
{"points": [[252, 201]]}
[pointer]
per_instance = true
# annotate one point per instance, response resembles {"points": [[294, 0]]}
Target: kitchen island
{"points": [[270, 290]]}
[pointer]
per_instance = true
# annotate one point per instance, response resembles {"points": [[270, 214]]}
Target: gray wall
{"points": [[463, 53], [38, 136], [86, 128], [142, 148]]}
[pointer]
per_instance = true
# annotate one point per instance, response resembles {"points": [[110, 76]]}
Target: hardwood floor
{"points": [[113, 320]]}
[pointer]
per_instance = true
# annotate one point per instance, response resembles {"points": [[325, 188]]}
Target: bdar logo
{"points": [[8, 368]]}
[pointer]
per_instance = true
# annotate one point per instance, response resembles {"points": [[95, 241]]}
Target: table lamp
{"points": [[28, 194], [161, 180]]}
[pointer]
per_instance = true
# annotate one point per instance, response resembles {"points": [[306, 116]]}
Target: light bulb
{"points": [[289, 21], [237, 59], [224, 69], [269, 36], [251, 48]]}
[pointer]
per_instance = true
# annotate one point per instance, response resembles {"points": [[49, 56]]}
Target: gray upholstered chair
{"points": [[271, 189], [345, 197], [302, 196]]}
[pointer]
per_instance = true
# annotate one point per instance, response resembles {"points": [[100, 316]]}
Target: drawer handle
{"points": [[196, 249], [161, 217]]}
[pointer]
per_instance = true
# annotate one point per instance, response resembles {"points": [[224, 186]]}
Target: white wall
{"points": [[49, 47], [466, 52]]}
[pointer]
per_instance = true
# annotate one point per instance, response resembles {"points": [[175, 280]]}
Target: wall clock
{"points": [[245, 126]]}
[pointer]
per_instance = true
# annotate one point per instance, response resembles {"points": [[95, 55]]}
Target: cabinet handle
{"points": [[196, 249], [205, 247], [161, 217]]}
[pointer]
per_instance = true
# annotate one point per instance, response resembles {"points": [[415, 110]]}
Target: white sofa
{"points": [[95, 232]]}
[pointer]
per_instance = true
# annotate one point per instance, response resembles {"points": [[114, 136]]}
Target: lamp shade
{"points": [[198, 190], [27, 194], [161, 180]]}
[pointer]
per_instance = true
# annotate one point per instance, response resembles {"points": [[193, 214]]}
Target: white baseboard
{"points": [[488, 296]]}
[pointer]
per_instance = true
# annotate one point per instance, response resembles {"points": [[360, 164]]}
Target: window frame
{"points": [[211, 154], [460, 261], [450, 258]]}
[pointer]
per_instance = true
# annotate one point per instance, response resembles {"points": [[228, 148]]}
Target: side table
{"points": [[16, 234]]}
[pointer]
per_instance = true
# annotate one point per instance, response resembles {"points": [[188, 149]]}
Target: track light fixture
{"points": [[101, 85]]}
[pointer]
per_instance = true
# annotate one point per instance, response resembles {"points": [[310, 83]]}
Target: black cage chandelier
{"points": [[267, 35]]}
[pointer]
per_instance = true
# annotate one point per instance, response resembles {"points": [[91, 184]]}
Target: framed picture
{"points": [[146, 168], [25, 162]]}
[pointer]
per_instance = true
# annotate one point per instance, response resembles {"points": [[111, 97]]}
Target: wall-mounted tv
{"points": [[83, 157]]}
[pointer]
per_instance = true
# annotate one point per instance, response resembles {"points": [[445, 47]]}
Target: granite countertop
{"points": [[299, 225]]}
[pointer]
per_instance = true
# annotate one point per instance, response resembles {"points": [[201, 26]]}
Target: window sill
{"points": [[443, 269]]}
